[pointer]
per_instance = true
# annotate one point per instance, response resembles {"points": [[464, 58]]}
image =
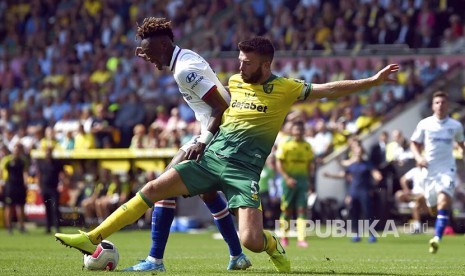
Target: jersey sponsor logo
{"points": [[268, 88], [191, 77], [196, 82], [444, 140], [249, 105]]}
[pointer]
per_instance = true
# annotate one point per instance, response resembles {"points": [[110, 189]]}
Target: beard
{"points": [[254, 77]]}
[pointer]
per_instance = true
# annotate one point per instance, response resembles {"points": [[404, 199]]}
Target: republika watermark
{"points": [[346, 228]]}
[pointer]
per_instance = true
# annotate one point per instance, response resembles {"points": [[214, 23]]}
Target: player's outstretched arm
{"points": [[338, 89]]}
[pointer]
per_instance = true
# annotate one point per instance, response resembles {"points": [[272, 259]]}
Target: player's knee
{"points": [[151, 188]]}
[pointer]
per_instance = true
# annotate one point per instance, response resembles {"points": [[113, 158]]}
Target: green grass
{"points": [[188, 254]]}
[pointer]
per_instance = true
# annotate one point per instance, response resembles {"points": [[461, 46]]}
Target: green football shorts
{"points": [[237, 180], [294, 198]]}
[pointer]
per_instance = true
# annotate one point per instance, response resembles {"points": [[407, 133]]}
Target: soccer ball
{"points": [[105, 257]]}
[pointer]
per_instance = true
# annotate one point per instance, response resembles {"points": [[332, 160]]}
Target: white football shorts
{"points": [[440, 183]]}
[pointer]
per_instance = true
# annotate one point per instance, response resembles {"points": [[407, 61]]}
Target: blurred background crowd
{"points": [[69, 78]]}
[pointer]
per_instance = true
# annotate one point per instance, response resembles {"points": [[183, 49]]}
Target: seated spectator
{"points": [[101, 75], [367, 121], [67, 141], [322, 141], [117, 193], [49, 139], [398, 151], [91, 193], [102, 129], [412, 184], [430, 71], [130, 113], [140, 139]]}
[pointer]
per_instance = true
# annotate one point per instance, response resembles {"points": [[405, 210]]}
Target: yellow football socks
{"points": [[126, 214], [270, 244], [284, 226], [301, 229]]}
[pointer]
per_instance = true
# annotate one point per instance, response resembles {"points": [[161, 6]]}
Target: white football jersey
{"points": [[437, 137], [196, 79]]}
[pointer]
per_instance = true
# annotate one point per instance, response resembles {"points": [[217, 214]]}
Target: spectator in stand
{"points": [[338, 72], [130, 113], [83, 140], [102, 129], [140, 139], [91, 194], [117, 193], [430, 71], [309, 70], [450, 43], [67, 142], [340, 135], [406, 32], [161, 118], [367, 120], [49, 139], [322, 141]]}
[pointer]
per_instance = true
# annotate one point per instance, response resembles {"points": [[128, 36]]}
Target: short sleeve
{"points": [[302, 89], [194, 79], [418, 135], [459, 133], [280, 151]]}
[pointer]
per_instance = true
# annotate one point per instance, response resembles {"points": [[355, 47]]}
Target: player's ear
{"points": [[266, 65]]}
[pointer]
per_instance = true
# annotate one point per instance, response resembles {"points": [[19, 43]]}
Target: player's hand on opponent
{"points": [[384, 75], [196, 151], [140, 53]]}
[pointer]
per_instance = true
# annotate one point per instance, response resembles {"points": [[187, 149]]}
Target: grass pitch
{"points": [[198, 254]]}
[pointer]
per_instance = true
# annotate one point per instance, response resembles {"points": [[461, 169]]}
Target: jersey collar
{"points": [[270, 79], [441, 121], [176, 52]]}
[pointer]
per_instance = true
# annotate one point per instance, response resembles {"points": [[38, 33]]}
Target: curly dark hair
{"points": [[260, 45], [154, 26]]}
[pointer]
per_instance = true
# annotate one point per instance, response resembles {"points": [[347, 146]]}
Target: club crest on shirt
{"points": [[268, 88]]}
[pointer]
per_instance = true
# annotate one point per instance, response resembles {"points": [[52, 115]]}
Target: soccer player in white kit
{"points": [[436, 136], [204, 93]]}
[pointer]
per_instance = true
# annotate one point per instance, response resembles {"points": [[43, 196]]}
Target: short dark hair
{"points": [[441, 94], [154, 26], [260, 45]]}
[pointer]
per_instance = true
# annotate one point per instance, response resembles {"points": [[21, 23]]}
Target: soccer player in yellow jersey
{"points": [[294, 162], [235, 157]]}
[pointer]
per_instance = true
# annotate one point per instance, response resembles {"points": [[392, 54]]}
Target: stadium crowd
{"points": [[69, 78]]}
